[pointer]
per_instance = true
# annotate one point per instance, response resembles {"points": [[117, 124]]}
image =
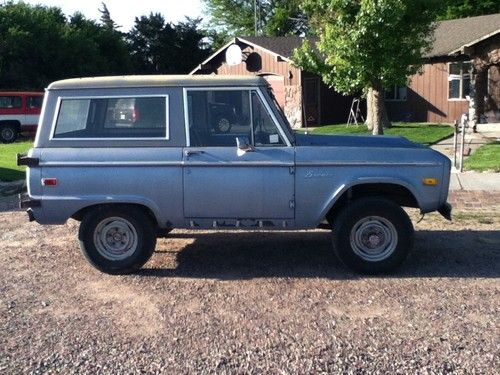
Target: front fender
{"points": [[339, 192]]}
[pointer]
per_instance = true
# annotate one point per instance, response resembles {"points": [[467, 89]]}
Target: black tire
{"points": [[8, 133], [130, 227], [372, 235]]}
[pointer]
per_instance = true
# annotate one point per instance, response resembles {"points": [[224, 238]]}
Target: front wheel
{"points": [[117, 240], [372, 235]]}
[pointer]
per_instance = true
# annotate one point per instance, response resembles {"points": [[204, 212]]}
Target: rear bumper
{"points": [[445, 211], [25, 202]]}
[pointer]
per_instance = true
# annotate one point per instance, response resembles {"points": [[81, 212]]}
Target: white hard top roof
{"points": [[156, 81]]}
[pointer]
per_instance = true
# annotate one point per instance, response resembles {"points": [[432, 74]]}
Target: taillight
{"points": [[49, 181]]}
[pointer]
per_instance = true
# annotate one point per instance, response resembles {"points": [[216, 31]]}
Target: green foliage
{"points": [[160, 47], [367, 43], [274, 17], [468, 8], [39, 45], [9, 170], [486, 158], [106, 19], [424, 133]]}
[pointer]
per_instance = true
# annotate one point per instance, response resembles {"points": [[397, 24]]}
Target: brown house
{"points": [[463, 68], [302, 95]]}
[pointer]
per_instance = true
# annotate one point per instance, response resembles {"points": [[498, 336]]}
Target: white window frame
{"points": [[249, 89], [61, 98], [460, 78]]}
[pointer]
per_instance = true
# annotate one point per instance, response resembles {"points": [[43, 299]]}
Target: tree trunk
{"points": [[479, 91], [376, 117]]}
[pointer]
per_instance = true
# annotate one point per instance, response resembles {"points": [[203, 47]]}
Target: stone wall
{"points": [[293, 105]]}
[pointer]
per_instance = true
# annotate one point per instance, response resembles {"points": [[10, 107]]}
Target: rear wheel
{"points": [[117, 240], [8, 133], [372, 235]]}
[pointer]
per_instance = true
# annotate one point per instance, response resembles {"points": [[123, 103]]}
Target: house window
{"points": [[459, 80], [396, 93]]}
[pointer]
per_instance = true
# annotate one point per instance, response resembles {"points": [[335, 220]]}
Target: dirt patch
{"points": [[235, 302]]}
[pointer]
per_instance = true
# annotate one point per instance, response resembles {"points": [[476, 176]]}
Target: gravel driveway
{"points": [[232, 302]]}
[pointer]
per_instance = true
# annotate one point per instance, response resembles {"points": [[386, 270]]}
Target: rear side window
{"points": [[114, 117], [35, 102], [10, 102]]}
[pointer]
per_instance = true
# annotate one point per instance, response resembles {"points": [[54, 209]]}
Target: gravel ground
{"points": [[233, 302]]}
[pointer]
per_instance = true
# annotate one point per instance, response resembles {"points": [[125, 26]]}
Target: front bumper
{"points": [[445, 211]]}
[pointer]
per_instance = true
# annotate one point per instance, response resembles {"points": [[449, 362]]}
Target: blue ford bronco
{"points": [[135, 157]]}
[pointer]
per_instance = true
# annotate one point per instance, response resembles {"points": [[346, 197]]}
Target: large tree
{"points": [[367, 46], [38, 44], [159, 47], [468, 8], [269, 17]]}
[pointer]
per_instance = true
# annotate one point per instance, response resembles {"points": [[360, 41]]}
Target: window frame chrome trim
{"points": [[90, 97], [257, 89]]}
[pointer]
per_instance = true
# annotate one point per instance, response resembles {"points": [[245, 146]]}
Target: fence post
{"points": [[465, 123], [455, 141]]}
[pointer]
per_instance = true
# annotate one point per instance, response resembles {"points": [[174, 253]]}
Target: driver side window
{"points": [[217, 117]]}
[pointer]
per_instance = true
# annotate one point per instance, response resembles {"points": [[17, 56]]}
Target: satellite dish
{"points": [[233, 55]]}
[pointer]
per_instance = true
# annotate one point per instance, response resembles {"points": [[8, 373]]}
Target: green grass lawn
{"points": [[9, 171], [486, 158], [424, 133]]}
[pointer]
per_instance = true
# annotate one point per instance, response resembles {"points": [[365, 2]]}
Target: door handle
{"points": [[188, 153]]}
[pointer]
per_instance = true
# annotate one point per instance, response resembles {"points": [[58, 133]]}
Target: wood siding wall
{"points": [[269, 65], [427, 98]]}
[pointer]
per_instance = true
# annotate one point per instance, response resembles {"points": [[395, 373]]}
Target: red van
{"points": [[19, 112]]}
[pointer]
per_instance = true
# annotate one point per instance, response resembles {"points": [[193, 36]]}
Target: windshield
{"points": [[277, 108]]}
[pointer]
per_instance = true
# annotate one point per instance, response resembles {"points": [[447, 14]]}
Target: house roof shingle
{"points": [[281, 45], [451, 35]]}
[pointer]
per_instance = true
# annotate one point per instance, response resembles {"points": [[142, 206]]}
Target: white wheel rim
{"points": [[7, 134], [115, 238], [373, 238]]}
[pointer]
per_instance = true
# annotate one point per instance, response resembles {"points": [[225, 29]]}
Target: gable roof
{"points": [[280, 45], [451, 36]]}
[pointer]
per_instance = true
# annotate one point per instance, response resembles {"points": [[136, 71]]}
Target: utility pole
{"points": [[255, 15]]}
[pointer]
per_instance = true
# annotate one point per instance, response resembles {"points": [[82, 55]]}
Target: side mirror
{"points": [[243, 145]]}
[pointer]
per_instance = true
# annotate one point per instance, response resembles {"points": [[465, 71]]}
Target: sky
{"points": [[124, 12]]}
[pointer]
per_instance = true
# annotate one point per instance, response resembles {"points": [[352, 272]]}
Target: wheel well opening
{"points": [[396, 193], [14, 123], [81, 213]]}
